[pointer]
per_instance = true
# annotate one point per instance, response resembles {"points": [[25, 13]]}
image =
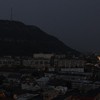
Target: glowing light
{"points": [[99, 58]]}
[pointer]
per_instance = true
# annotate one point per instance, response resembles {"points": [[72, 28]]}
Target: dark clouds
{"points": [[75, 22]]}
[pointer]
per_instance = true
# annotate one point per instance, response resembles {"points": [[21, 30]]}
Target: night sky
{"points": [[75, 22]]}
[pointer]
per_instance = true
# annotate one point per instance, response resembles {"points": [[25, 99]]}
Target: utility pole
{"points": [[11, 16]]}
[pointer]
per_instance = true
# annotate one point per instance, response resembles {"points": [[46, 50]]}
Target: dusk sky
{"points": [[75, 22]]}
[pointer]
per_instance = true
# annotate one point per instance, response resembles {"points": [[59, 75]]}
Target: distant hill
{"points": [[16, 38]]}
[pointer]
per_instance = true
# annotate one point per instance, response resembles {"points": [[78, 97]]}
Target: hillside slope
{"points": [[17, 38]]}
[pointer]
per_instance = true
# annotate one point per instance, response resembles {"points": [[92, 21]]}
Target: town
{"points": [[45, 76]]}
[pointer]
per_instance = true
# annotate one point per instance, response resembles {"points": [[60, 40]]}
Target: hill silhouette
{"points": [[16, 38]]}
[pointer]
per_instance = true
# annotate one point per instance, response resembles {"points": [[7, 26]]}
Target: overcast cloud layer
{"points": [[75, 22]]}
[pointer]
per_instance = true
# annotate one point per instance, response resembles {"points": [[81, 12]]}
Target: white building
{"points": [[42, 55]]}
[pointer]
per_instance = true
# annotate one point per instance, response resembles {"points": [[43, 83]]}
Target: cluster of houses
{"points": [[42, 61], [48, 77]]}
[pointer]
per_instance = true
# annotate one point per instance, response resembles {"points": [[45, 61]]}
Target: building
{"points": [[8, 61], [44, 62]]}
